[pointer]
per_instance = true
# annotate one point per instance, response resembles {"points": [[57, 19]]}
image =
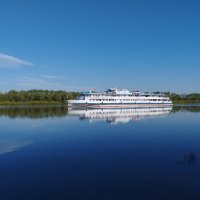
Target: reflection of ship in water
{"points": [[115, 116]]}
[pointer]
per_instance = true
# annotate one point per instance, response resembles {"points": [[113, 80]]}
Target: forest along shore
{"points": [[51, 97], [36, 97]]}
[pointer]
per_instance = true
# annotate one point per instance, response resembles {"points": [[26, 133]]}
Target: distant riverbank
{"points": [[30, 103], [51, 97], [185, 102], [36, 97]]}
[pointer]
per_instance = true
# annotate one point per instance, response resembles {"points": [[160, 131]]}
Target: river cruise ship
{"points": [[114, 98]]}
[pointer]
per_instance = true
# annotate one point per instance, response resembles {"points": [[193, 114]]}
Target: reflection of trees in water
{"points": [[189, 158], [34, 112], [186, 108]]}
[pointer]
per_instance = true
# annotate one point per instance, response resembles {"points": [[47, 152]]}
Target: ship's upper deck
{"points": [[123, 92]]}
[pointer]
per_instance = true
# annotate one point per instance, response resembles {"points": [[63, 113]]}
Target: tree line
{"points": [[37, 95], [184, 98], [50, 96]]}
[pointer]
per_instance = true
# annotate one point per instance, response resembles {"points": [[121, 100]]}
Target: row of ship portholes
{"points": [[137, 100]]}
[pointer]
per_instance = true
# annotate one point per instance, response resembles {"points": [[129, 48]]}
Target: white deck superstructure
{"points": [[114, 98]]}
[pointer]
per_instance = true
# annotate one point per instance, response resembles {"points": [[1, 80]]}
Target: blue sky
{"points": [[76, 45]]}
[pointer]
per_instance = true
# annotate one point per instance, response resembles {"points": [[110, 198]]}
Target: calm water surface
{"points": [[49, 153]]}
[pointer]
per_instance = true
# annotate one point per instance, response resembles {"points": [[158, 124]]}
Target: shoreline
{"points": [[57, 103], [33, 103]]}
